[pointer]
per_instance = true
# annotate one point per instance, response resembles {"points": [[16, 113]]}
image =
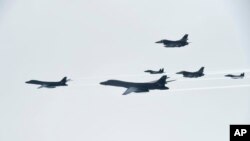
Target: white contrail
{"points": [[215, 78], [167, 73], [111, 76], [210, 88], [228, 71], [84, 82], [177, 78], [85, 85]]}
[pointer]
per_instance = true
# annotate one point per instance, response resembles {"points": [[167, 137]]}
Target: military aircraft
{"points": [[155, 72], [139, 87], [196, 74], [49, 84], [179, 43], [236, 76]]}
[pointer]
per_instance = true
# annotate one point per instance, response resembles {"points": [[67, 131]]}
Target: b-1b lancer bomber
{"points": [[236, 76], [139, 87], [155, 72], [49, 84], [196, 74], [172, 44]]}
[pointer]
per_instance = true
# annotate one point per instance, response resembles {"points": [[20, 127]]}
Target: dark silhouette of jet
{"points": [[155, 72], [49, 84], [196, 74], [179, 43], [139, 87], [236, 76]]}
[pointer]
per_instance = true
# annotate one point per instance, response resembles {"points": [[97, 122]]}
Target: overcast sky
{"points": [[92, 41]]}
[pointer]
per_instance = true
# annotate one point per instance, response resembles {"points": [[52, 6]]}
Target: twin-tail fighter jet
{"points": [[236, 76], [196, 74], [139, 87], [155, 72], [49, 84], [172, 44]]}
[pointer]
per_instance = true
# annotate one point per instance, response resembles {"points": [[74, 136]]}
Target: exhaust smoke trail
{"points": [[211, 88]]}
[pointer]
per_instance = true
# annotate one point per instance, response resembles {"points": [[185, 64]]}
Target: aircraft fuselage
{"points": [[46, 84], [191, 74], [124, 84]]}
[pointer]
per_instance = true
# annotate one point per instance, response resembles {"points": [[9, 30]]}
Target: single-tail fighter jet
{"points": [[139, 87], [49, 84], [172, 44], [155, 72], [236, 76], [196, 74]]}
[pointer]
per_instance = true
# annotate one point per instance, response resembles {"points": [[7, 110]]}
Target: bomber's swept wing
{"points": [[46, 86], [134, 89]]}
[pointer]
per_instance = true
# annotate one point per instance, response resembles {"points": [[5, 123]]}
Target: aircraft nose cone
{"points": [[103, 83], [27, 82], [179, 72]]}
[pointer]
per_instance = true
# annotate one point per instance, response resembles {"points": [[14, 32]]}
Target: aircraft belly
{"points": [[173, 45]]}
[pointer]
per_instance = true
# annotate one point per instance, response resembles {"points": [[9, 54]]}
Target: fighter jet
{"points": [[236, 76], [172, 44], [49, 84], [139, 87], [196, 74], [155, 72]]}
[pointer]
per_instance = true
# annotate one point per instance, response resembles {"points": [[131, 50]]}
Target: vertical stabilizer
{"points": [[184, 38], [242, 75], [201, 70], [162, 80], [64, 80]]}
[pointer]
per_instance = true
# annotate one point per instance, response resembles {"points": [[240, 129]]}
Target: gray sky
{"points": [[92, 41]]}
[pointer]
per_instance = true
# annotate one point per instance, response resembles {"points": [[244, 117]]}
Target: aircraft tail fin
{"points": [[162, 80], [184, 38], [161, 70], [64, 80], [201, 70], [242, 74]]}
